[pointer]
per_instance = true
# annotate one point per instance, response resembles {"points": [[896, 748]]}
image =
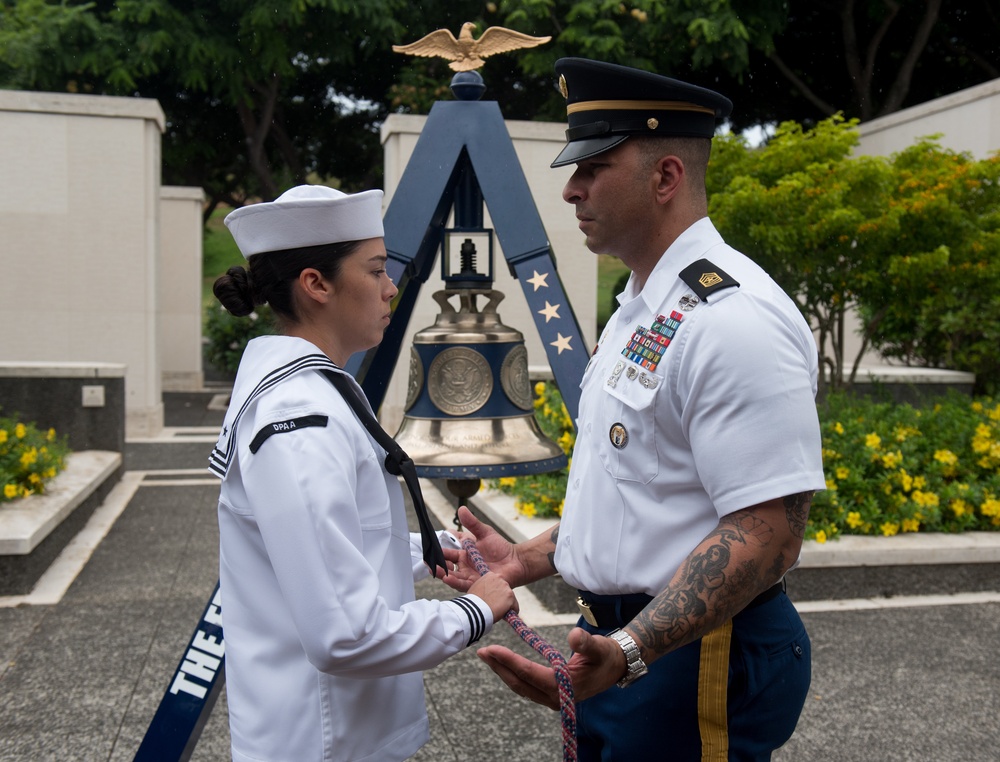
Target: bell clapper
{"points": [[462, 489]]}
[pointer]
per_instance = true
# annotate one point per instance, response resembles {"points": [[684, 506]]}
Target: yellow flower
{"points": [[831, 484], [872, 441], [889, 528], [892, 459], [28, 457], [838, 427], [507, 481], [854, 519], [843, 472], [990, 507], [20, 431], [51, 435], [821, 536], [959, 508], [905, 481], [947, 457], [528, 509], [10, 491], [3, 435], [566, 441], [911, 525], [539, 388], [919, 482], [925, 499]]}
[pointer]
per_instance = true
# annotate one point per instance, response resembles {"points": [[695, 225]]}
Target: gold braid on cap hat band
{"points": [[637, 106]]}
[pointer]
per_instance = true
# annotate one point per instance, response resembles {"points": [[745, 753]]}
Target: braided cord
{"points": [[567, 707]]}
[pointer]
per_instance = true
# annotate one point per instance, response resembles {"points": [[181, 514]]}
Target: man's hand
{"points": [[500, 555], [597, 664]]}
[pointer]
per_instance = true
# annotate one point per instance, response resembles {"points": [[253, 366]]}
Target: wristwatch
{"points": [[636, 666]]}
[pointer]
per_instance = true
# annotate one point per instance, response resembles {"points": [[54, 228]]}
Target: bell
{"points": [[469, 412]]}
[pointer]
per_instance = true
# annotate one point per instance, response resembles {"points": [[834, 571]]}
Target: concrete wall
{"points": [[179, 288], [79, 234], [536, 145]]}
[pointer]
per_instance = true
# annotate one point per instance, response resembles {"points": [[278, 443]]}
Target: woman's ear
{"points": [[314, 286]]}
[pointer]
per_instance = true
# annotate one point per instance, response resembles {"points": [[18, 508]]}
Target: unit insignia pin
{"points": [[688, 302], [619, 436]]}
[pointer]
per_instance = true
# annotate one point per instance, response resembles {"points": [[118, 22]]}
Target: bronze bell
{"points": [[469, 410]]}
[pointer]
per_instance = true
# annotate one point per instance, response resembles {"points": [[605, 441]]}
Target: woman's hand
{"points": [[493, 589]]}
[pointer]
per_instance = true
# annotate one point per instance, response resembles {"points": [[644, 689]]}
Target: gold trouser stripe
{"points": [[637, 106], [713, 680]]}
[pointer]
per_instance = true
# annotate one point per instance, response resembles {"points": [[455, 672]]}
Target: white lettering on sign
{"points": [[283, 426], [203, 658]]}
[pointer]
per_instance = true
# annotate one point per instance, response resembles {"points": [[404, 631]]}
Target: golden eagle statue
{"points": [[467, 53]]}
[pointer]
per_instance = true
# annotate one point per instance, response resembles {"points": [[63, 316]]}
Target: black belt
{"points": [[606, 611]]}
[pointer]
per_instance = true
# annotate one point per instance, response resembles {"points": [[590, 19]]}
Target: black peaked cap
{"points": [[605, 103]]}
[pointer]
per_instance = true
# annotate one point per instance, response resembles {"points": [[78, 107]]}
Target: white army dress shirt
{"points": [[722, 419]]}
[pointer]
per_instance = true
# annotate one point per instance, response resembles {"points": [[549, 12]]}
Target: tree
{"points": [[802, 209], [937, 303], [260, 95], [866, 58], [911, 241]]}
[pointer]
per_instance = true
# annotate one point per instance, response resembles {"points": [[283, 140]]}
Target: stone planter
{"points": [[34, 530]]}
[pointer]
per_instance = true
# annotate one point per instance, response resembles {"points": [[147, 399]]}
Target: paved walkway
{"points": [[912, 677]]}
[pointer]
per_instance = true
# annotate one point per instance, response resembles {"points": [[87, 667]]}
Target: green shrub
{"points": [[893, 468], [227, 336], [29, 458]]}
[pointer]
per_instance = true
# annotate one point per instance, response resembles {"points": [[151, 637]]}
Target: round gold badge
{"points": [[619, 436]]}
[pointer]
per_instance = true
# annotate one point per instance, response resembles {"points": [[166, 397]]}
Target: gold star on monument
{"points": [[561, 343], [550, 311], [467, 53], [538, 280]]}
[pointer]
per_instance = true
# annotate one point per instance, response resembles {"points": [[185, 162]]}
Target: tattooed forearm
{"points": [[797, 511], [739, 559], [554, 537]]}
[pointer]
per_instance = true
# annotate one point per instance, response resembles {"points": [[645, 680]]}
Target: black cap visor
{"points": [[578, 150]]}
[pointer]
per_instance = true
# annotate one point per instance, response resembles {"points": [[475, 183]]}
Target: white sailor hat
{"points": [[306, 215], [606, 103]]}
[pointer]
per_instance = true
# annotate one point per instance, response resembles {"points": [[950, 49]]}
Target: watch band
{"points": [[636, 667]]}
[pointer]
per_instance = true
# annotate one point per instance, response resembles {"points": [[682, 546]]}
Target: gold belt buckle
{"points": [[585, 612]]}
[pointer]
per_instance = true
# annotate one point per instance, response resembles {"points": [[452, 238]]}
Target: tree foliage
{"points": [[912, 241], [261, 95]]}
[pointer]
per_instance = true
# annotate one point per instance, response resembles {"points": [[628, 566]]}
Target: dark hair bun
{"points": [[235, 291]]}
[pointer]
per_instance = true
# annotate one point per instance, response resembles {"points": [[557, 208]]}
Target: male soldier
{"points": [[697, 453]]}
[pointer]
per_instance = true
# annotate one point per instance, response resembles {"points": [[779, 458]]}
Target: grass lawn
{"points": [[219, 253]]}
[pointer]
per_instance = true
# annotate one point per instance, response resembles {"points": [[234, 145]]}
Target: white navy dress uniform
{"points": [[678, 402], [324, 638]]}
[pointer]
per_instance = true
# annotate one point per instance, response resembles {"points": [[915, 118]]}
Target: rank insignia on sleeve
{"points": [[280, 427], [705, 279]]}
